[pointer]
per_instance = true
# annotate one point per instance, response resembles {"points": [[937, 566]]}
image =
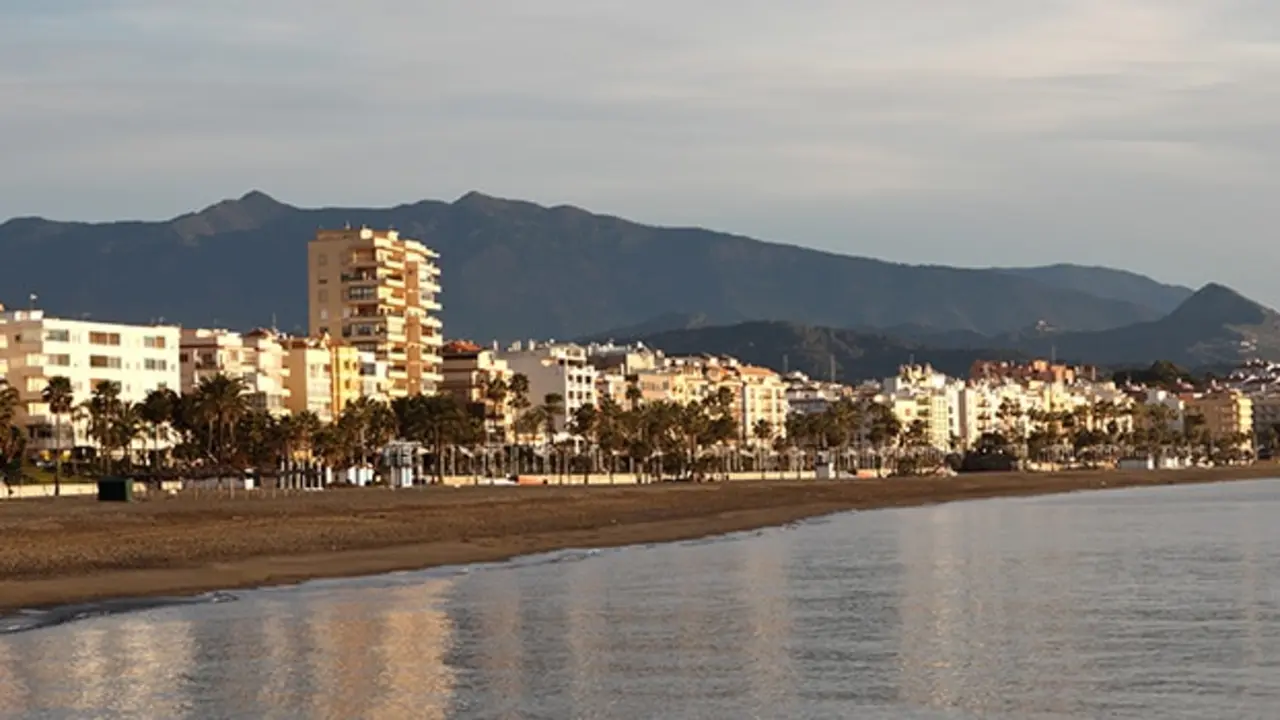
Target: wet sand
{"points": [[77, 550]]}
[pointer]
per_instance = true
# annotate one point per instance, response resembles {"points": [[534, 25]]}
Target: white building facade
{"points": [[257, 358], [554, 368], [37, 348]]}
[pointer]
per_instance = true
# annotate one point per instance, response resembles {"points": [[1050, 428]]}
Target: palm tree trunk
{"points": [[57, 454]]}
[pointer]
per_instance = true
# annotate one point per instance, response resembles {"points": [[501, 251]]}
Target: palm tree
{"points": [[103, 407], [586, 425], [553, 411], [437, 420], [12, 441], [157, 411], [58, 395], [611, 431], [370, 423], [219, 402], [126, 426], [496, 391], [301, 433], [634, 393], [518, 396], [762, 432]]}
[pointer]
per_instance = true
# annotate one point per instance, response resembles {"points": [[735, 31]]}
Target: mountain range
{"points": [[516, 270], [1214, 327]]}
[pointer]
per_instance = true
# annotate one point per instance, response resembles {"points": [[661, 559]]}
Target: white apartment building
{"points": [[806, 396], [36, 348], [763, 399], [257, 358], [559, 368], [937, 408], [624, 359], [309, 377], [920, 393], [1177, 408]]}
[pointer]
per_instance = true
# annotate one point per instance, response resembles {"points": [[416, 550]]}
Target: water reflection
{"points": [[1156, 603], [973, 608]]}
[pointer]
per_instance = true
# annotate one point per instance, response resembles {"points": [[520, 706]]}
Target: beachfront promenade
{"points": [[45, 490]]}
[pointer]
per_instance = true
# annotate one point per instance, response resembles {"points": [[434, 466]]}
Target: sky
{"points": [[1136, 134]]}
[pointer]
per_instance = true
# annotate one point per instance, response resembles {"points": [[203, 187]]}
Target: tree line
{"points": [[216, 426]]}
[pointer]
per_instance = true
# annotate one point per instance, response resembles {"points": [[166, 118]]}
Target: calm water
{"points": [[1159, 603]]}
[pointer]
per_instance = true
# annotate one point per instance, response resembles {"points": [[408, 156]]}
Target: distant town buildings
{"points": [[373, 304]]}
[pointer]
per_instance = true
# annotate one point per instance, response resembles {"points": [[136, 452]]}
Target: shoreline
{"points": [[79, 551]]}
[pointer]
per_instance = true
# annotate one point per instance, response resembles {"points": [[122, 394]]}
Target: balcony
{"points": [[363, 328], [359, 276]]}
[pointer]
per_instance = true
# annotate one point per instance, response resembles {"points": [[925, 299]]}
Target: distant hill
{"points": [[515, 269], [788, 346], [665, 322], [1108, 283], [1215, 326]]}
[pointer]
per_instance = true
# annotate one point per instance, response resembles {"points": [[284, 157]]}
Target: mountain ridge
{"points": [[516, 269]]}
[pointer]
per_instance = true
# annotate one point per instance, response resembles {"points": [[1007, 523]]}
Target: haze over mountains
{"points": [[513, 269]]}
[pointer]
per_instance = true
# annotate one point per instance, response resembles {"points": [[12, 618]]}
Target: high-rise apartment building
{"points": [[379, 292]]}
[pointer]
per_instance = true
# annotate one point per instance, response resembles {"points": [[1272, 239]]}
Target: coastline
{"points": [[78, 551]]}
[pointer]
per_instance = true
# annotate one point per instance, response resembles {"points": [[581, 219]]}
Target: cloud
{"points": [[930, 130]]}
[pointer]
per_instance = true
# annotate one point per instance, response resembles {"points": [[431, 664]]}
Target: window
{"points": [[154, 364], [58, 360], [102, 338], [322, 259], [104, 361], [324, 313], [155, 342], [184, 357], [362, 293], [322, 296], [58, 336]]}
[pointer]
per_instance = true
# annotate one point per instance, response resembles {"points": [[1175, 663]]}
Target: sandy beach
{"points": [[77, 550]]}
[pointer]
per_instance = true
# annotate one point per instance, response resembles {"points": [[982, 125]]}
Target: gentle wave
{"points": [[28, 620]]}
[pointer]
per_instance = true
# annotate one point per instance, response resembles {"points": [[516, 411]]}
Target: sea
{"points": [[1145, 603]]}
